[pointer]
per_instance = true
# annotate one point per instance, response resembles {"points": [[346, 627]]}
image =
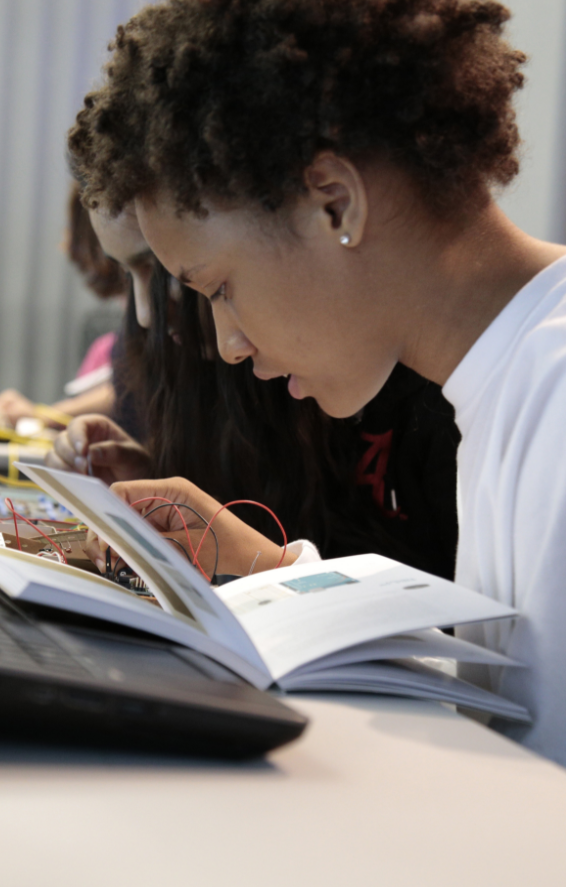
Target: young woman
{"points": [[322, 173]]}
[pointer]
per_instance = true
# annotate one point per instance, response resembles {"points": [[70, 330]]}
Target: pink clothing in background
{"points": [[98, 355]]}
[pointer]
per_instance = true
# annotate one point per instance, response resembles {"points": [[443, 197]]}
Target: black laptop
{"points": [[69, 680]]}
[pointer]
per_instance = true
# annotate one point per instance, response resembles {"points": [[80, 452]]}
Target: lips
{"points": [[266, 377], [293, 385], [294, 388]]}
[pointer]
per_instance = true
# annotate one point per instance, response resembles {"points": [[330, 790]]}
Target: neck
{"points": [[467, 275]]}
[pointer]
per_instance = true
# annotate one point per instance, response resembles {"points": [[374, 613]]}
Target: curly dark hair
{"points": [[233, 99]]}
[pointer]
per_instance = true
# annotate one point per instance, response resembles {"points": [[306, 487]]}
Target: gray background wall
{"points": [[537, 200], [51, 51], [50, 54]]}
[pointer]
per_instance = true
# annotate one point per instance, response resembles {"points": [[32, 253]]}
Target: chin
{"points": [[341, 409]]}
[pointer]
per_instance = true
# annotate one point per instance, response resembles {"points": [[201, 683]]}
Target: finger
{"points": [[100, 428], [132, 491], [92, 428], [110, 453], [52, 460], [152, 496], [108, 461], [95, 548], [79, 435], [67, 453], [176, 489]]}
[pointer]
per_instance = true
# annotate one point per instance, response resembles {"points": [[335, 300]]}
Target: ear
{"points": [[341, 197]]}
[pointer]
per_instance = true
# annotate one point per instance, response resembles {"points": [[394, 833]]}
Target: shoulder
{"points": [[526, 420], [537, 368]]}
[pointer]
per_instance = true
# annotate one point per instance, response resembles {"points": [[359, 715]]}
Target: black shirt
{"points": [[407, 467]]}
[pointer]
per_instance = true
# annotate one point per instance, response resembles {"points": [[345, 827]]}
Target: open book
{"points": [[364, 623]]}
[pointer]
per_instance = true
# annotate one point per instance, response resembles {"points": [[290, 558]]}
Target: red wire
{"points": [[9, 504], [194, 553], [45, 536], [246, 502], [186, 529]]}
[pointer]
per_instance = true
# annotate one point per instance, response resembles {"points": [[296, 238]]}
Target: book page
{"points": [[430, 643], [413, 679], [299, 614], [177, 585]]}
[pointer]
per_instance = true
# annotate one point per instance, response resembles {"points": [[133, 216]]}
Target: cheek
{"points": [[265, 313], [274, 304], [264, 325]]}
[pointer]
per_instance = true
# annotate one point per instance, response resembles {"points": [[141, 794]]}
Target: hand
{"points": [[238, 543], [14, 406], [113, 454]]}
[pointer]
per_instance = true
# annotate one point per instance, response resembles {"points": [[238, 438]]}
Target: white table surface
{"points": [[379, 792]]}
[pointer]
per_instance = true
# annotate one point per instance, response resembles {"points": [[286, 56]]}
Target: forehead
{"points": [[120, 237], [183, 240]]}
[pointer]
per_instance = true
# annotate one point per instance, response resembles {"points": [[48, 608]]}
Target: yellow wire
{"points": [[14, 440], [13, 456], [13, 479], [27, 484], [43, 409], [9, 435]]}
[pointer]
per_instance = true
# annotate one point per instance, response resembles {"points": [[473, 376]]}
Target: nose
{"points": [[142, 302], [233, 344]]}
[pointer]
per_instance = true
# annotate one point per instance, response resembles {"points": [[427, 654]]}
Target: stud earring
{"points": [[345, 239]]}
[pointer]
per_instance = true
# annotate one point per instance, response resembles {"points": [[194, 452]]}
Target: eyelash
{"points": [[221, 291]]}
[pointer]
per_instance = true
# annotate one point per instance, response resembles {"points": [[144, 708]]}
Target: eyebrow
{"points": [[186, 276]]}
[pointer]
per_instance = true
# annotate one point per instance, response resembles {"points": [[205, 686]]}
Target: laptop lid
{"points": [[93, 684]]}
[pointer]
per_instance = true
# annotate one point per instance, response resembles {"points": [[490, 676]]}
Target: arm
{"points": [[97, 400], [14, 406], [238, 543]]}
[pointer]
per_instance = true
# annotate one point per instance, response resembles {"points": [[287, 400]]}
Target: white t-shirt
{"points": [[307, 552], [509, 393]]}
